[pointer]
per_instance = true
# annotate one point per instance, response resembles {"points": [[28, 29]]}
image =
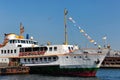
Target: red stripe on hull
{"points": [[82, 74]]}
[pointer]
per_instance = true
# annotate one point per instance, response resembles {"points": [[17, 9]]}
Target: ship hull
{"points": [[57, 71], [72, 64]]}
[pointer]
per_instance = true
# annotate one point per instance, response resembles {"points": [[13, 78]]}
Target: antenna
{"points": [[66, 35]]}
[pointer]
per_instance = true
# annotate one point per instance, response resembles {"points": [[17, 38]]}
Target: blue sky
{"points": [[44, 20]]}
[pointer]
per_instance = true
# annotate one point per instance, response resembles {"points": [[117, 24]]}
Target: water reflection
{"points": [[41, 77]]}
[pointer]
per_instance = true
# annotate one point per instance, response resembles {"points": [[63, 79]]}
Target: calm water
{"points": [[102, 74]]}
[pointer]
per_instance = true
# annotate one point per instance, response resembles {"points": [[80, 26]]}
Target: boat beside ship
{"points": [[112, 59]]}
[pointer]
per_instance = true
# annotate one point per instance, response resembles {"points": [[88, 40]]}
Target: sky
{"points": [[44, 20]]}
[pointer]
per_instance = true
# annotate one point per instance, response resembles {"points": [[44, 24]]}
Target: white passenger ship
{"points": [[50, 59]]}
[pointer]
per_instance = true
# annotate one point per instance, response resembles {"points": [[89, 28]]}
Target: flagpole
{"points": [[66, 35], [20, 28]]}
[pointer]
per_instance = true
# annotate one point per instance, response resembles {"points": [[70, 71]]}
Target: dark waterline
{"points": [[102, 74]]}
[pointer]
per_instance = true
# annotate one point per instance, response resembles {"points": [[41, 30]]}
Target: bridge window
{"points": [[50, 49], [27, 42], [55, 48], [10, 41], [36, 43], [18, 41]]}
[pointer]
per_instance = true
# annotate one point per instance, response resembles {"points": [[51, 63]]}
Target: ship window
{"points": [[27, 42], [31, 42], [50, 49], [36, 59], [23, 41], [28, 60], [15, 51], [72, 48], [45, 59], [40, 59], [11, 51], [10, 41], [21, 49], [28, 49], [4, 51], [36, 49], [36, 43], [8, 51], [18, 41], [49, 58], [55, 48], [69, 48], [74, 56], [19, 46], [15, 41], [1, 51], [54, 58], [24, 60], [32, 59]]}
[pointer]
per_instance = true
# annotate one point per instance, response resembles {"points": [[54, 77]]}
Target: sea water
{"points": [[102, 74]]}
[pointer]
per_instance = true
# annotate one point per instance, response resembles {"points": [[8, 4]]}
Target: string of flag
{"points": [[83, 32]]}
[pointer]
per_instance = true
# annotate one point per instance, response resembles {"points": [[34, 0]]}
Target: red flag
{"points": [[21, 28]]}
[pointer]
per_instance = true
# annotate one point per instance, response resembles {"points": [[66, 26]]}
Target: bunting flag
{"points": [[81, 30], [91, 41], [88, 37], [70, 18], [104, 38], [21, 29], [79, 27], [95, 43], [84, 33]]}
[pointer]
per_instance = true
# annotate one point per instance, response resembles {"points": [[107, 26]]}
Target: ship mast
{"points": [[65, 30]]}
